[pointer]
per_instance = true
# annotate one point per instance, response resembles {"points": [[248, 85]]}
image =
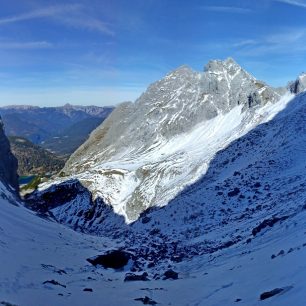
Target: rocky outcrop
{"points": [[299, 85], [8, 162], [115, 259]]}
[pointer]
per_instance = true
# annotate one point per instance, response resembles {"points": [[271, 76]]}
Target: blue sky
{"points": [[105, 52]]}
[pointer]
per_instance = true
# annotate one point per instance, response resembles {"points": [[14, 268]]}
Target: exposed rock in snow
{"points": [[299, 85]]}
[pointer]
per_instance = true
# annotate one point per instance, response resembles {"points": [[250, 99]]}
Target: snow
{"points": [[33, 249], [231, 220], [171, 164], [146, 140]]}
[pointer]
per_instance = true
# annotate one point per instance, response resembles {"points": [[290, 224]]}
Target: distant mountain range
{"points": [[59, 129], [66, 142]]}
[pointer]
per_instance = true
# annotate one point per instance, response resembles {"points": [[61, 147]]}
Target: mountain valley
{"points": [[195, 193]]}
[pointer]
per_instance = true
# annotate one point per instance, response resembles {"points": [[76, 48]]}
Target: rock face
{"points": [[299, 85], [146, 152], [8, 162]]}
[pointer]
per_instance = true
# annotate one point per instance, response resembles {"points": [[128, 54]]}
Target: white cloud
{"points": [[72, 15], [299, 3], [275, 43], [227, 9], [286, 37], [85, 22], [244, 43], [25, 45], [40, 13]]}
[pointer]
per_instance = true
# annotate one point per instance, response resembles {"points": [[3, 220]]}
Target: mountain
{"points": [[8, 163], [33, 159], [146, 152], [43, 124], [236, 235]]}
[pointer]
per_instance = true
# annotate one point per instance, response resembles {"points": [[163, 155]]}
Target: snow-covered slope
{"points": [[147, 152], [256, 182], [235, 237], [44, 263], [34, 252]]}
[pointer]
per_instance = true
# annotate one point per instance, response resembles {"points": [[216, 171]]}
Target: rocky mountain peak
{"points": [[228, 66], [67, 105], [181, 70]]}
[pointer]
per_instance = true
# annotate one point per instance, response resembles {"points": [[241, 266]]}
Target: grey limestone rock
{"points": [[8, 162], [299, 85]]}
